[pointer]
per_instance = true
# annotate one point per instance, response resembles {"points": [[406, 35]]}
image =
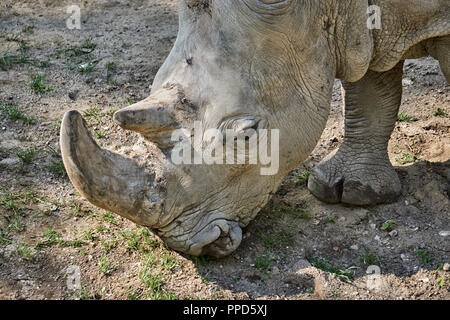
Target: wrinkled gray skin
{"points": [[243, 64]]}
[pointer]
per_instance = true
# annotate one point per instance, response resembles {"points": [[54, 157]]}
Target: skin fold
{"points": [[260, 65]]}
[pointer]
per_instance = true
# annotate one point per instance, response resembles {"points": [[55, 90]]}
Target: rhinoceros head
{"points": [[243, 67]]}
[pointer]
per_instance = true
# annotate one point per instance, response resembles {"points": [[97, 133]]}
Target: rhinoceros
{"points": [[253, 65]]}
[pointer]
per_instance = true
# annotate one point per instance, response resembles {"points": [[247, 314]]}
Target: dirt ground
{"points": [[297, 247]]}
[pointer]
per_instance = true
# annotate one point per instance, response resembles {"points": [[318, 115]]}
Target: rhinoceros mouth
{"points": [[229, 240], [218, 238]]}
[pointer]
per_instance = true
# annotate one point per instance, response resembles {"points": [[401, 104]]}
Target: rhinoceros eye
{"points": [[242, 126]]}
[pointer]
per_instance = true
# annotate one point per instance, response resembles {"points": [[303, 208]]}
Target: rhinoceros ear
{"points": [[355, 43]]}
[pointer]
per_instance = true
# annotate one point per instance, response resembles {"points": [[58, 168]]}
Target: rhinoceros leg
{"points": [[360, 172], [439, 48]]}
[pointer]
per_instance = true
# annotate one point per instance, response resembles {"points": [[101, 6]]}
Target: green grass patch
{"points": [[262, 262], [295, 213], [108, 245], [99, 134], [440, 113], [406, 158], [130, 101], [424, 256], [7, 60], [86, 67], [303, 176], [26, 155], [279, 239], [11, 201], [4, 238], [403, 117], [82, 49], [51, 238], [12, 112], [109, 217], [340, 272], [38, 83], [28, 29], [153, 281], [139, 240], [370, 258], [24, 252], [105, 266], [93, 115], [111, 66], [57, 168], [388, 225]]}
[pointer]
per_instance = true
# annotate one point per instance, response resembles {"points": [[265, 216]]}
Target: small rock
{"points": [[444, 233], [9, 162], [419, 195], [73, 94], [373, 226], [275, 270], [299, 265], [354, 247], [404, 257], [407, 82], [393, 233], [446, 266]]}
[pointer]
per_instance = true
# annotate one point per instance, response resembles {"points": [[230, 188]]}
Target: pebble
{"points": [[373, 226], [444, 233], [393, 233], [404, 257], [354, 247], [275, 270], [73, 94], [446, 266], [299, 265], [9, 162]]}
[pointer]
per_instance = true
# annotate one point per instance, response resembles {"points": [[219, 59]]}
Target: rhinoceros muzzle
{"points": [[139, 193]]}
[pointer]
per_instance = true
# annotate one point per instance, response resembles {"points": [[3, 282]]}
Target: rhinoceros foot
{"points": [[358, 180]]}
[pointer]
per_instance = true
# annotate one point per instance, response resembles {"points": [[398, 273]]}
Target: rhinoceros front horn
{"points": [[106, 179]]}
